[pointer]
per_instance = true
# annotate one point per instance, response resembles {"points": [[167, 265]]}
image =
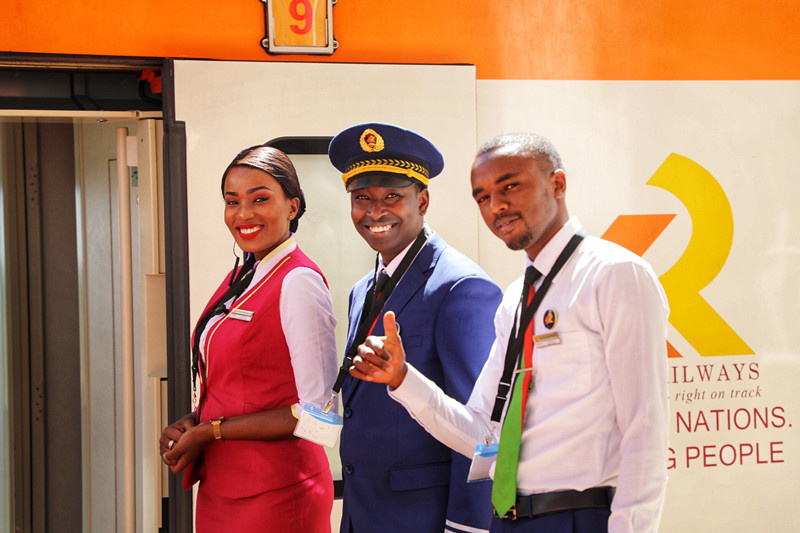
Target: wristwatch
{"points": [[215, 424]]}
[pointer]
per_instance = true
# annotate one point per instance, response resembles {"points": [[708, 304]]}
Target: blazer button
{"points": [[348, 469], [348, 412]]}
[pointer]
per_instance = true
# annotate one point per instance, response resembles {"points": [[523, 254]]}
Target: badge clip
{"points": [[328, 405]]}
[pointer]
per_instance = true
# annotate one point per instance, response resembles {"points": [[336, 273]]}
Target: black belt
{"points": [[563, 500]]}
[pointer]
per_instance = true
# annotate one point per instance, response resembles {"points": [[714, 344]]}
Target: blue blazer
{"points": [[397, 477]]}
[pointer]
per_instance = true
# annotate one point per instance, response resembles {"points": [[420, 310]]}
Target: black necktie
{"points": [[383, 278], [373, 295], [531, 275]]}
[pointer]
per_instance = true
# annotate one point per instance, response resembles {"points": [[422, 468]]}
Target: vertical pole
{"points": [[177, 271], [126, 292]]}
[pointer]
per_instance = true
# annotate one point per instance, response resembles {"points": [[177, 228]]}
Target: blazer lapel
{"points": [[414, 279], [357, 296]]}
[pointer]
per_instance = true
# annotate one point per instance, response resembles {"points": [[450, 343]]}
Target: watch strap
{"points": [[215, 424]]}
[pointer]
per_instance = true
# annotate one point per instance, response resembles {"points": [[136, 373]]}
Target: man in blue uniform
{"points": [[397, 478]]}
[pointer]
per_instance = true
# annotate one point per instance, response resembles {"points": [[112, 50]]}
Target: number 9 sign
{"points": [[293, 25], [301, 11]]}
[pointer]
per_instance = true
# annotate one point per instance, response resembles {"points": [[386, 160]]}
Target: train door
{"points": [[222, 107], [71, 437]]}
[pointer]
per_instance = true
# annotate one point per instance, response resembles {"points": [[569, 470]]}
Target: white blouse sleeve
{"points": [[308, 325]]}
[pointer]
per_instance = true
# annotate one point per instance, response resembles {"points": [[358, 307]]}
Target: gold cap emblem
{"points": [[370, 141]]}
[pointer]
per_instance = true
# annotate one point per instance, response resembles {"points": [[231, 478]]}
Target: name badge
{"points": [[547, 339], [482, 462], [317, 426], [241, 314]]}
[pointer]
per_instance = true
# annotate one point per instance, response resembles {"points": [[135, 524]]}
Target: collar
{"points": [[394, 263], [547, 256], [280, 251]]}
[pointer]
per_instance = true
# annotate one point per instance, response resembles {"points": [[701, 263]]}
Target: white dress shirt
{"points": [[308, 325], [598, 411], [391, 268]]}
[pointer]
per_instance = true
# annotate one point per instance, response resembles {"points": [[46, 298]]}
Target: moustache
{"points": [[499, 220]]}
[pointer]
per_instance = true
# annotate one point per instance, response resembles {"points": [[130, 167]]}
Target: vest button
{"points": [[348, 469], [348, 412]]}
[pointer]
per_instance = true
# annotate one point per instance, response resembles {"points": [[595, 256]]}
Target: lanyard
{"points": [[370, 312], [517, 337], [237, 285]]}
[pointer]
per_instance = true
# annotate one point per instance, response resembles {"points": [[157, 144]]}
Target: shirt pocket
{"points": [[564, 369]]}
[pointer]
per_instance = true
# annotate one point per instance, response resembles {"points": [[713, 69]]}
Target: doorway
{"points": [[62, 358], [42, 321]]}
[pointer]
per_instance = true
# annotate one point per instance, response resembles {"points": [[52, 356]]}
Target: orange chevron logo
{"points": [[703, 259]]}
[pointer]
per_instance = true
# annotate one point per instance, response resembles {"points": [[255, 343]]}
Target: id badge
{"points": [[482, 462], [546, 339], [316, 426]]}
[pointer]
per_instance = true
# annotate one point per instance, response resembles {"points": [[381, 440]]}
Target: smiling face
{"points": [[388, 218], [521, 199], [257, 211]]}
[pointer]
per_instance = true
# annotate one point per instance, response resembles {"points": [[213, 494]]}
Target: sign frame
{"points": [[269, 41]]}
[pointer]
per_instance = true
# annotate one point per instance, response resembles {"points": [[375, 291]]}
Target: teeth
{"points": [[248, 231], [379, 229]]}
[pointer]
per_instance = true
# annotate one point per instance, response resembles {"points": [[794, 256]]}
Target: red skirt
{"points": [[304, 506]]}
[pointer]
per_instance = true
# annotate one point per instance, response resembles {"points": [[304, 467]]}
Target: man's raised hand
{"points": [[382, 359]]}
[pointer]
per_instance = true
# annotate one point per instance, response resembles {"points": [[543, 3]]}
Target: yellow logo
{"points": [[703, 259], [370, 141]]}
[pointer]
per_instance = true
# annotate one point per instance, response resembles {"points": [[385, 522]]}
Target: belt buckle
{"points": [[510, 515]]}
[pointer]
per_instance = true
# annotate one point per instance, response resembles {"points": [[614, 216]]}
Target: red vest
{"points": [[249, 369]]}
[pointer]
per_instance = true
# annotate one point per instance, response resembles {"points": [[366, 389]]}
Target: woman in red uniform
{"points": [[263, 346]]}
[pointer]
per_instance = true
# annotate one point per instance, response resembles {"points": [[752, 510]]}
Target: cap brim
{"points": [[379, 179]]}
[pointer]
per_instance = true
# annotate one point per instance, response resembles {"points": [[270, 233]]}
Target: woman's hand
{"points": [[174, 431], [182, 441], [172, 434], [188, 447]]}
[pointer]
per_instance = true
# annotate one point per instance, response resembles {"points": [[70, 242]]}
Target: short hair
{"points": [[278, 165], [524, 144]]}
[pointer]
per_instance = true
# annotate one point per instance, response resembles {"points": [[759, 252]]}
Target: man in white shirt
{"points": [[593, 453]]}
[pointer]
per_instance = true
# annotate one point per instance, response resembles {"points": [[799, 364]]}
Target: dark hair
{"points": [[525, 145], [276, 164]]}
